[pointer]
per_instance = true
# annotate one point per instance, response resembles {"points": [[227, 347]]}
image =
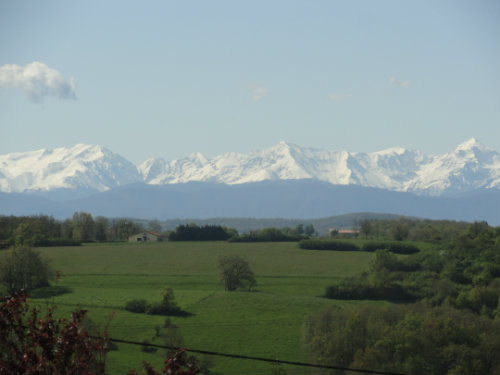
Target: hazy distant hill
{"points": [[268, 199]]}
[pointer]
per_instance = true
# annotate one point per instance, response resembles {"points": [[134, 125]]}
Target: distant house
{"points": [[145, 236], [334, 232]]}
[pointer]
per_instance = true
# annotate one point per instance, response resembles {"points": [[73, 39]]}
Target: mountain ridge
{"points": [[81, 170], [300, 199]]}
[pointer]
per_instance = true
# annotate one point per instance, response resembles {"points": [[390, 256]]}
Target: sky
{"points": [[169, 78]]}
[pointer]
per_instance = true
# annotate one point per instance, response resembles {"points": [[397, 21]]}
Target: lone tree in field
{"points": [[235, 273], [23, 268]]}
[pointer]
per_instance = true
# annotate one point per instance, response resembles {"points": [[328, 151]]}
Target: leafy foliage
{"points": [[167, 306], [393, 247], [465, 275], [268, 235], [179, 364], [31, 344], [413, 339], [235, 273], [328, 245], [192, 232], [24, 269]]}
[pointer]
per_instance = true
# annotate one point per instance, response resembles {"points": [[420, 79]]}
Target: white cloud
{"points": [[399, 83], [37, 80], [257, 92], [339, 96]]}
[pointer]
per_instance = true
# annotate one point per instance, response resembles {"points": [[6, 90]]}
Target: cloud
{"points": [[257, 92], [339, 96], [399, 83], [37, 80]]}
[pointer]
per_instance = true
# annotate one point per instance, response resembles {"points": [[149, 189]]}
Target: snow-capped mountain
{"points": [[471, 166], [82, 167]]}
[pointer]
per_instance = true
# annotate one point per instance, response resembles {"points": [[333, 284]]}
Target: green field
{"points": [[266, 322]]}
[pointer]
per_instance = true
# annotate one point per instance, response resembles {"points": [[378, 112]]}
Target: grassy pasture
{"points": [[266, 322]]}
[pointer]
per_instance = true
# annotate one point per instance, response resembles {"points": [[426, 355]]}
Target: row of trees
{"points": [[436, 231], [193, 232], [44, 230], [81, 227]]}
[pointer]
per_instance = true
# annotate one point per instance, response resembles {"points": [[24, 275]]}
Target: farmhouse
{"points": [[145, 237]]}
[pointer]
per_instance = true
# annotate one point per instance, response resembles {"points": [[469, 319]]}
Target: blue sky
{"points": [[168, 78]]}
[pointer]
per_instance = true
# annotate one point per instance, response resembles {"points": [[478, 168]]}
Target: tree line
{"points": [[43, 230], [411, 229]]}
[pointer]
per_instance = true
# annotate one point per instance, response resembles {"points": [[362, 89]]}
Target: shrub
{"points": [[328, 245], [55, 242], [393, 247], [352, 289], [403, 248], [374, 246], [167, 306]]}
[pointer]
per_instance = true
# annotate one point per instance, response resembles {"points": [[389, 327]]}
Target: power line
{"points": [[238, 356]]}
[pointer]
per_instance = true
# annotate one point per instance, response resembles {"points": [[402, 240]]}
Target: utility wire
{"points": [[238, 356]]}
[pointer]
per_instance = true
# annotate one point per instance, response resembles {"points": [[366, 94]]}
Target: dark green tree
{"points": [[101, 227], [365, 227], [23, 268], [400, 230], [235, 273], [83, 226]]}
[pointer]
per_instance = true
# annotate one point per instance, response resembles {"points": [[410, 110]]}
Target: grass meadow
{"points": [[266, 322]]}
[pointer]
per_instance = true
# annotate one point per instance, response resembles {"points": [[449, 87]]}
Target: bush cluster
{"points": [[328, 245], [336, 245], [267, 235], [43, 242], [193, 232], [358, 289], [140, 306], [167, 306], [393, 247]]}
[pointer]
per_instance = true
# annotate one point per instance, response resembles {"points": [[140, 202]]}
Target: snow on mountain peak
{"points": [[468, 144], [470, 166], [89, 167], [391, 151]]}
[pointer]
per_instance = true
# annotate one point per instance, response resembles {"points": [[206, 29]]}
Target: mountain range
{"points": [[85, 169], [285, 180]]}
